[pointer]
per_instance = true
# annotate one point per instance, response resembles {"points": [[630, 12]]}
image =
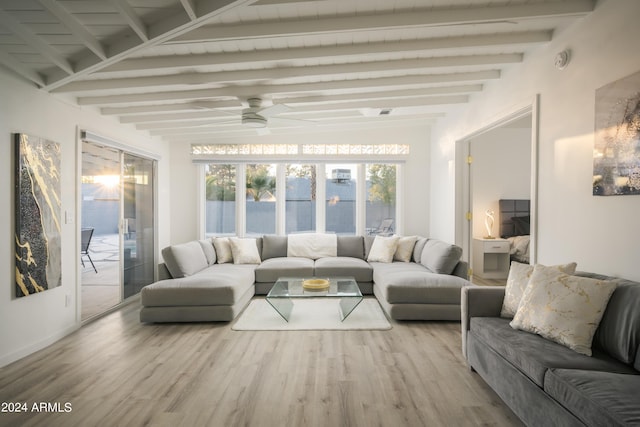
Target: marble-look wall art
{"points": [[38, 214], [616, 163]]}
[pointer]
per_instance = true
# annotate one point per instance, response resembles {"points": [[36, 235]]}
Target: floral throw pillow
{"points": [[563, 308], [517, 281]]}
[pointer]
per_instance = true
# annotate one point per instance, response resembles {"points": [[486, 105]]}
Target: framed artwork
{"points": [[37, 214], [616, 162]]}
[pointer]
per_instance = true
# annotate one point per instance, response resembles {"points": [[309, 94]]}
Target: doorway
{"points": [[496, 162], [117, 227]]}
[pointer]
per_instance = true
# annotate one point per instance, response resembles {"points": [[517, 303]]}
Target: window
{"points": [[220, 199], [260, 199], [300, 204], [341, 187], [381, 199], [257, 189]]}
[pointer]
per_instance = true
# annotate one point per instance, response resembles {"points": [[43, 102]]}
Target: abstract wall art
{"points": [[616, 162], [37, 214]]}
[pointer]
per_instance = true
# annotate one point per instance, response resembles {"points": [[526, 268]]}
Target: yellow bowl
{"points": [[315, 284]]}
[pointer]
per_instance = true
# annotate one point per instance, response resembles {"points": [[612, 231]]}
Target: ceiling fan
{"points": [[257, 117]]}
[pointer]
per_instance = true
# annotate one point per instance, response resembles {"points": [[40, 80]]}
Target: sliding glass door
{"points": [[138, 229], [117, 227]]}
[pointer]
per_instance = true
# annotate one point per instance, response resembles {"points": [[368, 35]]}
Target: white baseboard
{"points": [[30, 349]]}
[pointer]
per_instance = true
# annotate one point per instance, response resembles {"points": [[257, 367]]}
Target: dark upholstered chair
{"points": [[86, 235]]}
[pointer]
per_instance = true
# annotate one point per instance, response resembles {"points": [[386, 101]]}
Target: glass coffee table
{"points": [[286, 289]]}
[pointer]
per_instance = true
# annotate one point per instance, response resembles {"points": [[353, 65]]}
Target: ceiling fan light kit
{"points": [[253, 120]]}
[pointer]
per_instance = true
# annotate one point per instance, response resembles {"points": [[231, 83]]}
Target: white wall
{"points": [[501, 169], [599, 233], [184, 197], [32, 322]]}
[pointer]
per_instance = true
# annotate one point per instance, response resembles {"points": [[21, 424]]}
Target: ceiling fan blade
{"points": [[214, 110], [210, 124], [274, 110], [291, 122]]}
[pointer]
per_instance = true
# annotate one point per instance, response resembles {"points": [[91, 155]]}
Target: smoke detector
{"points": [[562, 59]]}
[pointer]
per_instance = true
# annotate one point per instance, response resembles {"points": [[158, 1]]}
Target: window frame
{"points": [[361, 193]]}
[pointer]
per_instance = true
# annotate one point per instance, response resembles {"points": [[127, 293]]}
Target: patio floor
{"points": [[101, 290]]}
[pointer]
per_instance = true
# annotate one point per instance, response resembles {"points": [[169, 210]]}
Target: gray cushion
{"points": [[184, 259], [533, 355], [274, 246], [383, 269], [410, 283], [597, 398], [220, 284], [619, 331], [368, 242], [259, 244], [418, 248], [273, 268], [440, 257], [209, 250], [351, 246], [344, 266]]}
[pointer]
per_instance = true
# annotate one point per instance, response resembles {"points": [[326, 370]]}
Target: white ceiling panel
{"points": [[166, 66]]}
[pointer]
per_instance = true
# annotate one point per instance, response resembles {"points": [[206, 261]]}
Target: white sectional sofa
{"points": [[199, 283]]}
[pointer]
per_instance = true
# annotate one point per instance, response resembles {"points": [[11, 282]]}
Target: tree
{"points": [[305, 171], [259, 183], [382, 179], [220, 182]]}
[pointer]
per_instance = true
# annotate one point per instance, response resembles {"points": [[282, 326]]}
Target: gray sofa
{"points": [[547, 384], [193, 286]]}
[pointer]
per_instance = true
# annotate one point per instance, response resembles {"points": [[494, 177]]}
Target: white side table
{"points": [[491, 258]]}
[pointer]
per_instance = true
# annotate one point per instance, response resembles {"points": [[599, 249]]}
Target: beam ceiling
{"points": [[188, 67]]}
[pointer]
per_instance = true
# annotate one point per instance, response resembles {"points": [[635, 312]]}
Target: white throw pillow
{"points": [[312, 245], [383, 249], [563, 308], [223, 250], [244, 251], [517, 281], [405, 248]]}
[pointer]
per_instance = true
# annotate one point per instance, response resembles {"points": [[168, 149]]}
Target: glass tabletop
{"points": [[288, 288], [291, 287]]}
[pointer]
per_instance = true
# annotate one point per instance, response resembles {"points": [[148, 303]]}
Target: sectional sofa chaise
{"points": [[413, 278], [546, 383]]}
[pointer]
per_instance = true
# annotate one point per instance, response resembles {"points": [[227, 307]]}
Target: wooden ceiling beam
{"points": [[416, 18], [329, 109], [11, 63], [233, 130], [35, 42], [355, 51], [199, 110], [158, 33], [189, 7], [357, 85], [401, 67], [76, 28], [131, 18], [165, 108]]}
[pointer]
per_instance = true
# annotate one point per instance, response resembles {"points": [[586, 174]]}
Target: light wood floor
{"points": [[100, 291], [488, 282], [118, 372]]}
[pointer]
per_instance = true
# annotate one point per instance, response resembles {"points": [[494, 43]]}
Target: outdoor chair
{"points": [[86, 234], [385, 228]]}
